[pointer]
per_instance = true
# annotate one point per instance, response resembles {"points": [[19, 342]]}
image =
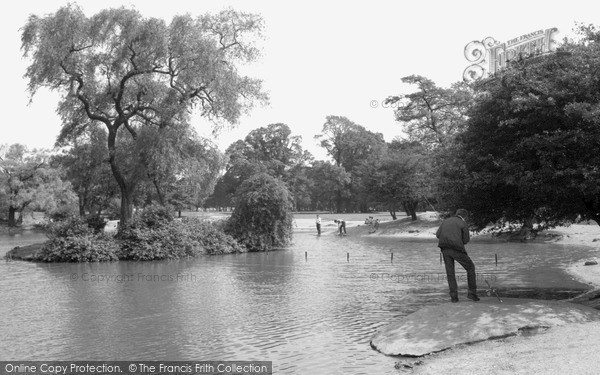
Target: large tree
{"points": [[432, 115], [28, 181], [276, 147], [532, 147], [86, 166], [129, 72], [271, 149], [350, 145], [181, 167], [330, 185], [399, 178]]}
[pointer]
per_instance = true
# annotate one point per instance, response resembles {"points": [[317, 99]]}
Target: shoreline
{"points": [[565, 349], [568, 349]]}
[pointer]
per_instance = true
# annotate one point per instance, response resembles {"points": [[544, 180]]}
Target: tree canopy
{"points": [[271, 149], [129, 72], [532, 146], [431, 115], [28, 181], [262, 218]]}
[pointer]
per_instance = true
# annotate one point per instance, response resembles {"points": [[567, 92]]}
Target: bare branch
{"points": [[130, 129]]}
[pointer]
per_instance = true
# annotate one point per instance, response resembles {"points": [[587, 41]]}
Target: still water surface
{"points": [[310, 309]]}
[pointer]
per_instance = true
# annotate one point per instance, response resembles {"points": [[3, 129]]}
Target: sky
{"points": [[319, 58]]}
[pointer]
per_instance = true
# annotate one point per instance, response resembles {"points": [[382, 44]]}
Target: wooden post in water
{"points": [[306, 256], [496, 255], [348, 257], [392, 257]]}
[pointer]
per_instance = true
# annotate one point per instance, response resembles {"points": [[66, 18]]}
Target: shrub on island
{"points": [[152, 234], [72, 240], [262, 217], [155, 235]]}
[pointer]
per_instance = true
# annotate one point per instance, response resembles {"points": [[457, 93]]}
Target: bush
{"points": [[155, 216], [72, 240], [174, 240], [61, 213], [166, 241], [151, 235], [262, 217], [211, 237], [72, 226], [96, 223]]}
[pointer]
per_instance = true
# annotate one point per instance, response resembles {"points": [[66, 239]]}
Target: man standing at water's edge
{"points": [[453, 234]]}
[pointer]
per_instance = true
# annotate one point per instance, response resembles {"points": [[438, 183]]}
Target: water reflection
{"points": [[308, 314]]}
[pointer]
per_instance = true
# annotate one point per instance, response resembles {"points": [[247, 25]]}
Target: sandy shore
{"points": [[569, 349]]}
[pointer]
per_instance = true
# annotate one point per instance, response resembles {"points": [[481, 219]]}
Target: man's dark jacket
{"points": [[453, 234]]}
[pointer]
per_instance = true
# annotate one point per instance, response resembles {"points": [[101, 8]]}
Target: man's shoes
{"points": [[454, 299], [473, 297]]}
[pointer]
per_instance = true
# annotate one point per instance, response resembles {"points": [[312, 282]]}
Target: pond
{"points": [[311, 309]]}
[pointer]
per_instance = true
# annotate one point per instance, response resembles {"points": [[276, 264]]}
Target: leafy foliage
{"points": [[181, 167], [174, 239], [432, 115], [152, 235], [272, 150], [532, 145], [262, 218], [399, 178], [96, 223], [87, 169], [350, 145], [71, 240], [211, 237], [154, 216], [154, 243], [330, 185], [130, 74], [28, 181]]}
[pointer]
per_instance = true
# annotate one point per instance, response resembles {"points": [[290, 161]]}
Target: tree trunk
{"points": [[363, 207], [81, 197], [161, 198], [126, 207], [124, 187], [525, 231], [393, 212], [411, 209], [11, 216]]}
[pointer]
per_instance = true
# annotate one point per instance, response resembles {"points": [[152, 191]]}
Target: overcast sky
{"points": [[319, 58]]}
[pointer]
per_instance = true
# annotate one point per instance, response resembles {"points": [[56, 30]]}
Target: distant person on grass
{"points": [[318, 222], [341, 226], [453, 234]]}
